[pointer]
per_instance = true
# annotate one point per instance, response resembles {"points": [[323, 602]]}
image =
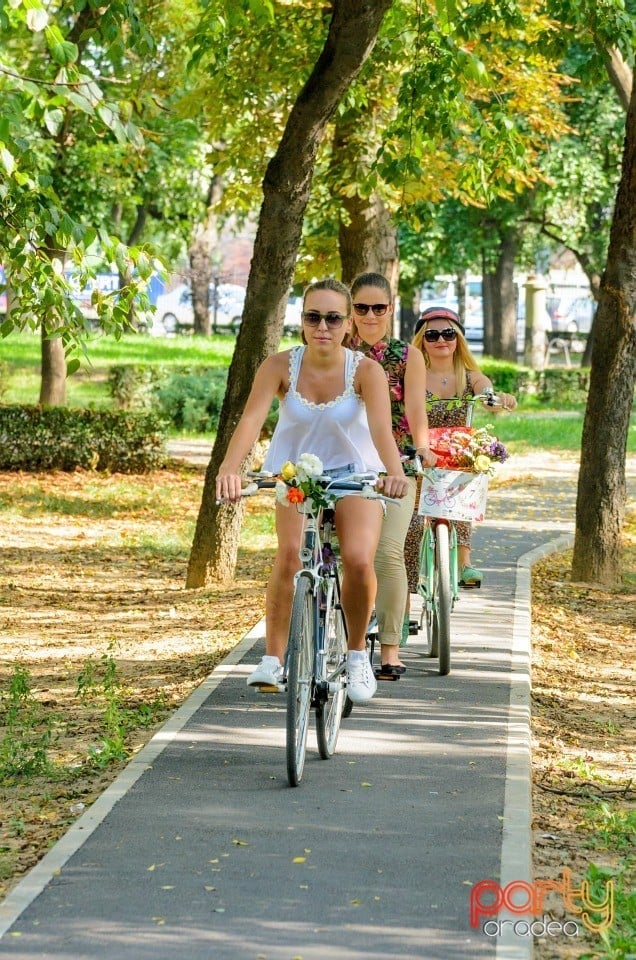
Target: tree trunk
{"points": [[368, 242], [201, 253], [504, 345], [460, 281], [286, 188], [600, 505], [487, 285], [53, 381], [409, 315]]}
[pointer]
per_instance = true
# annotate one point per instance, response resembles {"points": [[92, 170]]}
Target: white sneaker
{"points": [[361, 684], [268, 673]]}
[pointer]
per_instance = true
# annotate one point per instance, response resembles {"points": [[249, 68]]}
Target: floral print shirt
{"points": [[392, 355]]}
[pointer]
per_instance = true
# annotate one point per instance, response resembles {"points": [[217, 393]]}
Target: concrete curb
{"points": [[516, 847]]}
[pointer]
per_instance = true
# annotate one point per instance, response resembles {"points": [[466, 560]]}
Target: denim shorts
{"points": [[340, 473]]}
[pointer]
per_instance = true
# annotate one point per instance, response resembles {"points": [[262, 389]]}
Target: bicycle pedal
{"points": [[414, 628]]}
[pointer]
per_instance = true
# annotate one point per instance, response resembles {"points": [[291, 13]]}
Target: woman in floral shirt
{"points": [[406, 375]]}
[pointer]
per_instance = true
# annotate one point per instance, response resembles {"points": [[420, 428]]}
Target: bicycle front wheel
{"points": [[300, 655], [427, 588], [331, 704], [444, 596]]}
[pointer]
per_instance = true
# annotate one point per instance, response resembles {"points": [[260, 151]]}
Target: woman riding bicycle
{"points": [[452, 373], [405, 373], [334, 404]]}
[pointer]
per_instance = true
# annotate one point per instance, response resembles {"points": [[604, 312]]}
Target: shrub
{"points": [[506, 376], [192, 399], [64, 438], [554, 386], [132, 385]]}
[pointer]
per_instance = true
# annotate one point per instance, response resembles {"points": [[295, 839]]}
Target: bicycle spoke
{"points": [[299, 678], [330, 706]]}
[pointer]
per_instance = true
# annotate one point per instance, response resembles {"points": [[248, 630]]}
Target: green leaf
{"points": [[53, 120]]}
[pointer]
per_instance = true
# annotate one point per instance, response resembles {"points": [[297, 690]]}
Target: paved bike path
{"points": [[201, 850]]}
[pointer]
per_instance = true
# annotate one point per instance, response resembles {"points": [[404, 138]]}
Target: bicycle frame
{"points": [[322, 571]]}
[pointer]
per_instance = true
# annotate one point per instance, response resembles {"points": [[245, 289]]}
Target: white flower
{"points": [[308, 467], [280, 493]]}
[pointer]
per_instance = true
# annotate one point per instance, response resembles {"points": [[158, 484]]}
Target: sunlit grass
{"points": [[529, 428]]}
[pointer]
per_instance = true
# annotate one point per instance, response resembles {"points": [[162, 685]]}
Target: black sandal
{"points": [[389, 671]]}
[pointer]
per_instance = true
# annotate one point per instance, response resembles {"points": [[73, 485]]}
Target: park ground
{"points": [[99, 643]]}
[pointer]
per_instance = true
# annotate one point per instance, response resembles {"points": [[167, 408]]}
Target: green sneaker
{"points": [[468, 577]]}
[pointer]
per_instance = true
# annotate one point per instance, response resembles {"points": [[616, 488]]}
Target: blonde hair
{"points": [[463, 359]]}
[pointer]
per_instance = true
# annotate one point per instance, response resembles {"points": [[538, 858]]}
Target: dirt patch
{"points": [[584, 739]]}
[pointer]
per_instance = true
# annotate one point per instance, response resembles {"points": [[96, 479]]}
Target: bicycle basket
{"points": [[453, 494]]}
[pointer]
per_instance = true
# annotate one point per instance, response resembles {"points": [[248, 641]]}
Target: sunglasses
{"points": [[312, 318], [432, 336], [379, 309]]}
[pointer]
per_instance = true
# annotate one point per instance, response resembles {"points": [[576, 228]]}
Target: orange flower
{"points": [[295, 495]]}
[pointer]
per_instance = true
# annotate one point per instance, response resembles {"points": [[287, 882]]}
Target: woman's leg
{"points": [[392, 595], [464, 531], [358, 523], [280, 587]]}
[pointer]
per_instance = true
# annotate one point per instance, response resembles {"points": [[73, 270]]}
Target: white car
{"points": [[174, 313]]}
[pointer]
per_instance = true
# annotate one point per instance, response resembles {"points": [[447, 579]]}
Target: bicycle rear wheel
{"points": [[330, 705], [300, 654], [444, 596]]}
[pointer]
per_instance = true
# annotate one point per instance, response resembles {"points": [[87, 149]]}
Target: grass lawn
{"points": [[528, 428]]}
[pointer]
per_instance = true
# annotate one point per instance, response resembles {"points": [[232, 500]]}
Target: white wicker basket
{"points": [[453, 494]]}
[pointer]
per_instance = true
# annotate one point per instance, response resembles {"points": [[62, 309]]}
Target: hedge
{"points": [[64, 438]]}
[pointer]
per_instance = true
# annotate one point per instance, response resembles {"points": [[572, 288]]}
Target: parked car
{"points": [[579, 314], [174, 313], [293, 315]]}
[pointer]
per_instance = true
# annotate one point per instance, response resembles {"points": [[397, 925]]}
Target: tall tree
{"points": [[353, 30], [57, 107], [601, 489]]}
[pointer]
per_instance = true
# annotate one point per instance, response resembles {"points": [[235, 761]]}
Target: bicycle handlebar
{"points": [[364, 485]]}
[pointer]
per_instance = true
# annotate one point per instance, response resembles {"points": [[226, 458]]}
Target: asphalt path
{"points": [[200, 850]]}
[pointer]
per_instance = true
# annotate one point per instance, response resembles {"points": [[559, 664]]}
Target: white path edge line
{"points": [[516, 849], [22, 895]]}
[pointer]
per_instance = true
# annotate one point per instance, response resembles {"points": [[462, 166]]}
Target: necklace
{"points": [[444, 381]]}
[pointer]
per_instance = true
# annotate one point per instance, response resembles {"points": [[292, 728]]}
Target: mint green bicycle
{"points": [[446, 495]]}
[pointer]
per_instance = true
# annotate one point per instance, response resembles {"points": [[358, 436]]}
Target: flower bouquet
{"points": [[473, 450], [298, 482]]}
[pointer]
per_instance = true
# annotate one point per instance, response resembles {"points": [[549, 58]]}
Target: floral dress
{"points": [[441, 413], [392, 355]]}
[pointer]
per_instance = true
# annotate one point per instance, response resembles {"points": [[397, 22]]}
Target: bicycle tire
{"points": [[300, 650], [329, 710], [444, 596], [429, 603]]}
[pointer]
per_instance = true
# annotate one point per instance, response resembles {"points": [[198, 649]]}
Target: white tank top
{"points": [[336, 431]]}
